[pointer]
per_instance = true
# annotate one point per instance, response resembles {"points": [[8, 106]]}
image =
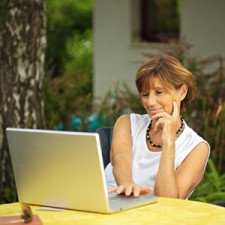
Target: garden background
{"points": [[70, 105]]}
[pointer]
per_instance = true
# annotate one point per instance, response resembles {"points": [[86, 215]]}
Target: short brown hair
{"points": [[170, 72]]}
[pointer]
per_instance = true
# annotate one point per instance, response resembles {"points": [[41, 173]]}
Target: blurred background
{"points": [[71, 64]]}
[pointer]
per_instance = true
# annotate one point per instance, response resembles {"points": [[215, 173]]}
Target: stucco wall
{"points": [[202, 22]]}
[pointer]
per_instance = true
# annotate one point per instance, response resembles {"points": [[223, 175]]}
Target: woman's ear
{"points": [[183, 91]]}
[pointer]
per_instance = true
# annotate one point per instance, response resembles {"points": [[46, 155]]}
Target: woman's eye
{"points": [[145, 95], [159, 92]]}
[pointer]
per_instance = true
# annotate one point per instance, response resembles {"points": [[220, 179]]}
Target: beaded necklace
{"points": [[159, 146]]}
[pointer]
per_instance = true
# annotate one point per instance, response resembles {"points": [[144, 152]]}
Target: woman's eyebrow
{"points": [[155, 88], [159, 87]]}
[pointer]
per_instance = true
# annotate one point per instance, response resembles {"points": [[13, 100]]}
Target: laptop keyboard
{"points": [[115, 199]]}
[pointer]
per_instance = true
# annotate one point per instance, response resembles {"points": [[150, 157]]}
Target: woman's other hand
{"points": [[131, 189]]}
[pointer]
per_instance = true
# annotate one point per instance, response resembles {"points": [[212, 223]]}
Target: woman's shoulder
{"points": [[139, 122], [134, 117], [192, 136], [190, 132], [123, 118], [187, 142], [133, 121], [122, 121]]}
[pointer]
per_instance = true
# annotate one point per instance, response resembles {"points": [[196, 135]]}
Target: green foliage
{"points": [[212, 186], [68, 82], [8, 195], [2, 10], [79, 50], [118, 101], [72, 14], [65, 19], [66, 96]]}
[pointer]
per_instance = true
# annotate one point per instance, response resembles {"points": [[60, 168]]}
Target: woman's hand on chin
{"points": [[130, 189], [164, 119]]}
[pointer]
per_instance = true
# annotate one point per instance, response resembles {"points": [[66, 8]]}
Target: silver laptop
{"points": [[64, 169]]}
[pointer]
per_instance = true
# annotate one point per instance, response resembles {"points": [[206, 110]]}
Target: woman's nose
{"points": [[151, 100]]}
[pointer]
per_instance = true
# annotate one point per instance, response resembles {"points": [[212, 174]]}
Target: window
{"points": [[159, 20]]}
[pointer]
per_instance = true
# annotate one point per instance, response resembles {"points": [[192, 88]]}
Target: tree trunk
{"points": [[22, 56]]}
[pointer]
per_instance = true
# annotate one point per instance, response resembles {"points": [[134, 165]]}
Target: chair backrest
{"points": [[221, 203], [105, 139]]}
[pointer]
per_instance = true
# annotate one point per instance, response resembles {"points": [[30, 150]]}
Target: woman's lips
{"points": [[156, 110]]}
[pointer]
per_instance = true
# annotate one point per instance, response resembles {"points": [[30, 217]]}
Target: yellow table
{"points": [[165, 211]]}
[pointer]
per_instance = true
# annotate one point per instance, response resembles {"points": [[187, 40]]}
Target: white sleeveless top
{"points": [[145, 163]]}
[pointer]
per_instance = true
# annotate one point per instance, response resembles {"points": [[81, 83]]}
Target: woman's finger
{"points": [[114, 189], [120, 189], [128, 190], [159, 124], [160, 115], [136, 190], [146, 191], [175, 110]]}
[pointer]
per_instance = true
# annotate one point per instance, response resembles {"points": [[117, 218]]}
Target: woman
{"points": [[158, 152]]}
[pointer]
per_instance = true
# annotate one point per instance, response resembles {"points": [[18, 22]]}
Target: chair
{"points": [[222, 203], [105, 139]]}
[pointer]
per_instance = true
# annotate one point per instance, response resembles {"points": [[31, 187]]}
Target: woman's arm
{"points": [[179, 183], [121, 159], [121, 151]]}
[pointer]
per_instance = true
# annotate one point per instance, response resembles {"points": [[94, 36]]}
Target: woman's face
{"points": [[160, 99]]}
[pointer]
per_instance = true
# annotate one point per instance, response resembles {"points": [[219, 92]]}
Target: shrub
{"points": [[71, 93], [212, 186]]}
